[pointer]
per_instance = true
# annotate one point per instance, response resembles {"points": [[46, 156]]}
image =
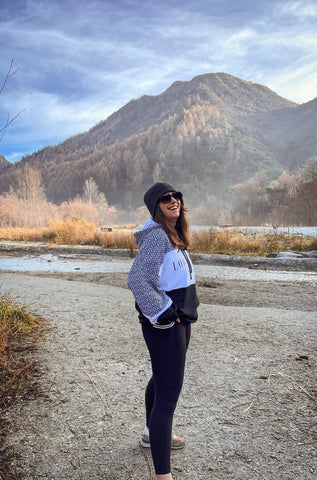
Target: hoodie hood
{"points": [[147, 227]]}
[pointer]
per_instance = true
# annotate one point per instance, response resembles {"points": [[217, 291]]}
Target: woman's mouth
{"points": [[174, 207]]}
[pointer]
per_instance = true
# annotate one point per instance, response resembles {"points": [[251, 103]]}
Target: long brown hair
{"points": [[178, 235]]}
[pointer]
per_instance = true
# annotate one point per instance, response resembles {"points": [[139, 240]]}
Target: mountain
{"points": [[203, 135], [291, 133]]}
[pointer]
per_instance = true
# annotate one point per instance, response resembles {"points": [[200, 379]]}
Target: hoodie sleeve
{"points": [[144, 276]]}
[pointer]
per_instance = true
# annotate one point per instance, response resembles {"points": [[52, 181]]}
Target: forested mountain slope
{"points": [[205, 135], [290, 134]]}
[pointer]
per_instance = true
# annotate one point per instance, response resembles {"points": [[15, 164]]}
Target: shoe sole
{"points": [[145, 445], [148, 445]]}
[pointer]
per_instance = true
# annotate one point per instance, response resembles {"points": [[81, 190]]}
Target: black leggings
{"points": [[168, 352]]}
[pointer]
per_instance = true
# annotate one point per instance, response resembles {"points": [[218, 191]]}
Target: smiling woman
{"points": [[163, 284], [170, 204], [170, 212]]}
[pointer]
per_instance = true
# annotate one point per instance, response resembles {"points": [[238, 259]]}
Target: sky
{"points": [[78, 61]]}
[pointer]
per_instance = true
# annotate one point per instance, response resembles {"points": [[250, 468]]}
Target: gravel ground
{"points": [[248, 407]]}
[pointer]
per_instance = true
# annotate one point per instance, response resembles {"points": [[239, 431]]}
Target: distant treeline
{"points": [[288, 200]]}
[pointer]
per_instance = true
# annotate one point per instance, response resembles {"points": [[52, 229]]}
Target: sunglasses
{"points": [[168, 197]]}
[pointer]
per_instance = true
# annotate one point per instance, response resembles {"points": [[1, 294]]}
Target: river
{"points": [[79, 263]]}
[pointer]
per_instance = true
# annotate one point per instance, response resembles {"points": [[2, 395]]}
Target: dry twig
{"points": [[257, 471], [150, 465], [297, 385], [82, 475]]}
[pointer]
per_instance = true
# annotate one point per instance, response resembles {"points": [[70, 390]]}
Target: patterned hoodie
{"points": [[162, 279]]}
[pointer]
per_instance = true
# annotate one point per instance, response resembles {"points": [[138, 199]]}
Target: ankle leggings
{"points": [[167, 350]]}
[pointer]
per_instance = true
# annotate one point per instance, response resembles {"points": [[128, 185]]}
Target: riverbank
{"points": [[213, 240], [16, 249], [248, 406]]}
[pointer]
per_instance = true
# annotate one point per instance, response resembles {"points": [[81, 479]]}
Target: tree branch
{"points": [[9, 74], [4, 128]]}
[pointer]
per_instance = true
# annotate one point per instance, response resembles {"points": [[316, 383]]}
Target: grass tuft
{"points": [[19, 332], [72, 231], [117, 239], [16, 326]]}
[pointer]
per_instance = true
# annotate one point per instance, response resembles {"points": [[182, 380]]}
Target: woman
{"points": [[163, 284]]}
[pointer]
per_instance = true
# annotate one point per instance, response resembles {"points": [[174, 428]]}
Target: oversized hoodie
{"points": [[162, 279]]}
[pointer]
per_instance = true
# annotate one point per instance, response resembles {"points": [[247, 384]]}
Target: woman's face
{"points": [[172, 209]]}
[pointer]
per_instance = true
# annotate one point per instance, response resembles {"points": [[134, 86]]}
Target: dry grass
{"points": [[234, 242], [117, 239], [74, 231], [16, 326], [19, 332], [23, 234]]}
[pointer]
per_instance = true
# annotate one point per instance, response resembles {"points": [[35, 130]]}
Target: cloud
{"points": [[297, 9], [305, 79], [46, 112], [79, 61]]}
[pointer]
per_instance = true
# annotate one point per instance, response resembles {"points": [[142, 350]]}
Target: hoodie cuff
{"points": [[168, 317], [163, 327]]}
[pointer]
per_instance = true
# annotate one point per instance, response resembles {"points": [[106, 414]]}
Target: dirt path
{"points": [[248, 406]]}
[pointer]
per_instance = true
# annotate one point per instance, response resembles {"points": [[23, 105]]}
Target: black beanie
{"points": [[152, 195]]}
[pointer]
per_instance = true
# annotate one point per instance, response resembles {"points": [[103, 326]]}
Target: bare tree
{"points": [[29, 185], [9, 120], [91, 191]]}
